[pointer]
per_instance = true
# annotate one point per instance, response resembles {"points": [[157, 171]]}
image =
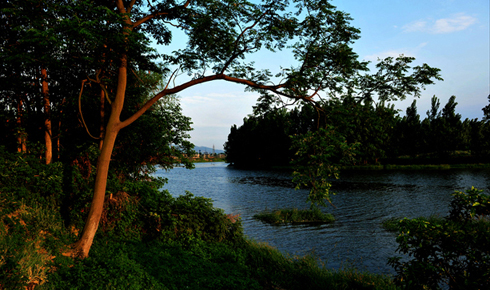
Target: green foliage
{"points": [[202, 265], [295, 216], [156, 265], [27, 238], [318, 156], [272, 269], [393, 224], [455, 250], [25, 175], [187, 218], [37, 222]]}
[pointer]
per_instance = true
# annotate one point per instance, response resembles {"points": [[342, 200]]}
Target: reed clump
{"points": [[295, 216]]}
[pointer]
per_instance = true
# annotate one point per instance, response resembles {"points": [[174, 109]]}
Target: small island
{"points": [[295, 216]]}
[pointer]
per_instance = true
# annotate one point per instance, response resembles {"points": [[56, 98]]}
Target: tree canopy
{"points": [[101, 48]]}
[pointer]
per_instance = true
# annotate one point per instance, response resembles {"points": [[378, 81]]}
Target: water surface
{"points": [[364, 199]]}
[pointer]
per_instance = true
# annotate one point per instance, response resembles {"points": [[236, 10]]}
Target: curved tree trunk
{"points": [[82, 247]]}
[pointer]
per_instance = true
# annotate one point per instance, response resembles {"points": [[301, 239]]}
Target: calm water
{"points": [[364, 199]]}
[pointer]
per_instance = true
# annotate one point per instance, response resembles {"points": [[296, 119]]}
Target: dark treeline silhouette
{"points": [[382, 134]]}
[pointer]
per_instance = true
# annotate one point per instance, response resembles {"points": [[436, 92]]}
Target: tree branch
{"points": [[80, 109], [236, 53], [166, 91], [155, 14]]}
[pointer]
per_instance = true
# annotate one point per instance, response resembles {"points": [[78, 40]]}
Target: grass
{"points": [[202, 265], [295, 216], [33, 236], [25, 234]]}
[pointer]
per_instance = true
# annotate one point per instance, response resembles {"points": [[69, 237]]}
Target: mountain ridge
{"points": [[207, 149]]}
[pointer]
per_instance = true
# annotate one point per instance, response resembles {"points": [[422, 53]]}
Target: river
{"points": [[363, 200]]}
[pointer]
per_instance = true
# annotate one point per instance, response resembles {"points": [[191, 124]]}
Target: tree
{"points": [[453, 250], [452, 126], [486, 111], [108, 43]]}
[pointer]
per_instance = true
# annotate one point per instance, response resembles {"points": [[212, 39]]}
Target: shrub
{"points": [[186, 218], [455, 251]]}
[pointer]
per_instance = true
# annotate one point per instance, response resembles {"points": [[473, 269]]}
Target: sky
{"points": [[452, 35]]}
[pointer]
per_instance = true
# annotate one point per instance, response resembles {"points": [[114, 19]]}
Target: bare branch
{"points": [[80, 110]]}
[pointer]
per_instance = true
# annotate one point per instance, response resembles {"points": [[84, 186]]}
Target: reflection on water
{"points": [[364, 199]]}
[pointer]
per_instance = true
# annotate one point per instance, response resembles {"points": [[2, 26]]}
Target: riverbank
{"points": [[147, 239], [417, 166], [119, 264]]}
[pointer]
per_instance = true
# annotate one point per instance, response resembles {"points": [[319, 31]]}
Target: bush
{"points": [[455, 251], [187, 218]]}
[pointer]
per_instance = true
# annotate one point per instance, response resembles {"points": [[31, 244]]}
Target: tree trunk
{"points": [[21, 134], [102, 119], [82, 247], [47, 117]]}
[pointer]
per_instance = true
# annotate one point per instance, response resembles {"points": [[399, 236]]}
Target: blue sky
{"points": [[452, 35]]}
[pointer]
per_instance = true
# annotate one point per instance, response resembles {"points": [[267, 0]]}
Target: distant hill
{"points": [[207, 149]]}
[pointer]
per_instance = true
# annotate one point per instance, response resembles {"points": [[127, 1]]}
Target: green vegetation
{"points": [[87, 113], [415, 166], [295, 216], [147, 240], [81, 80], [454, 250], [156, 265], [393, 224]]}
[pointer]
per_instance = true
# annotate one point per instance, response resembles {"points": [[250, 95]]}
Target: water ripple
{"points": [[364, 199]]}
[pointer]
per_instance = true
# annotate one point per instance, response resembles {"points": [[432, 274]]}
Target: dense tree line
{"points": [[441, 132], [381, 133]]}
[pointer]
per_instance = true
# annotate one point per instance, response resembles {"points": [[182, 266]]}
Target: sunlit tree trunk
{"points": [[82, 247], [47, 117]]}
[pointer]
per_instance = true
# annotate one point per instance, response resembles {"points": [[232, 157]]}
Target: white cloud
{"points": [[415, 26], [457, 22], [195, 100]]}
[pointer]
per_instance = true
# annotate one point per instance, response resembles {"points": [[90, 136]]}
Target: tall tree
{"points": [[486, 111], [110, 41]]}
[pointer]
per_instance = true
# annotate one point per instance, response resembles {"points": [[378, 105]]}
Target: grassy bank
{"points": [[417, 166], [158, 265], [147, 239], [201, 160], [33, 237]]}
